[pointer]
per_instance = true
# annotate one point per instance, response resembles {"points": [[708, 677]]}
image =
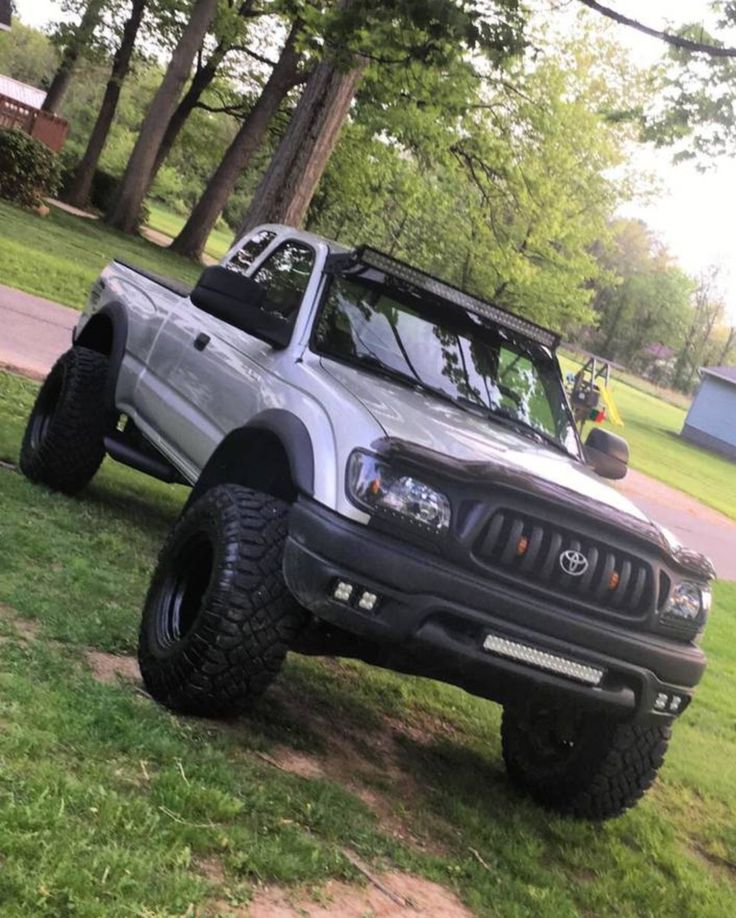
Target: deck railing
{"points": [[49, 129]]}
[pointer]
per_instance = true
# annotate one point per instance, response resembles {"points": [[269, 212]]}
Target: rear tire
{"points": [[63, 446], [581, 765], [218, 619]]}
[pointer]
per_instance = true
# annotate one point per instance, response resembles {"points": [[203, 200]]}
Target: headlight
{"points": [[688, 606], [376, 487]]}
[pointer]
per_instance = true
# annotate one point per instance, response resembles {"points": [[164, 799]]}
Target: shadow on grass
{"points": [[135, 509]]}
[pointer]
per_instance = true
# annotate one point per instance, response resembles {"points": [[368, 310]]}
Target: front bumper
{"points": [[433, 617]]}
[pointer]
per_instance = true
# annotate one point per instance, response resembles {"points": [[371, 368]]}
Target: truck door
{"points": [[220, 376]]}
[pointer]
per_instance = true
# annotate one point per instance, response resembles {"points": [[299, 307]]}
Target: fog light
{"points": [[343, 591], [675, 704], [660, 702], [368, 601], [551, 662]]}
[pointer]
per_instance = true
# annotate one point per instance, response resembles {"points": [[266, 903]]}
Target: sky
{"points": [[693, 214]]}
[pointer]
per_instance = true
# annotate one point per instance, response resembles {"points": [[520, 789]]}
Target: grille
{"points": [[530, 549]]}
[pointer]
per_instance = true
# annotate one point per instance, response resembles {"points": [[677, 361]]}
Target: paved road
{"points": [[33, 332], [694, 524]]}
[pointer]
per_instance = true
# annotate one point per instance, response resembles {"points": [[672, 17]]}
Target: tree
{"points": [[79, 191], [642, 298], [129, 200], [708, 312], [287, 188], [76, 39], [27, 55], [195, 233], [682, 42], [230, 35], [499, 181], [695, 106], [359, 33]]}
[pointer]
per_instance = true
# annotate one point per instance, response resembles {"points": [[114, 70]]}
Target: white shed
{"points": [[711, 421]]}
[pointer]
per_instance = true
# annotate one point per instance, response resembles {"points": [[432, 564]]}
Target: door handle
{"points": [[201, 341]]}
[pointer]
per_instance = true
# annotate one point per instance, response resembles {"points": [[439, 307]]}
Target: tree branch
{"points": [[678, 41]]}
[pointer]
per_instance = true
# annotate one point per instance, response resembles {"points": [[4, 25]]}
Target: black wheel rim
{"points": [[45, 408], [180, 597], [551, 736]]}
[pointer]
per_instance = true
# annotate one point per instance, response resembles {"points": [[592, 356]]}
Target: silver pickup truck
{"points": [[382, 467]]}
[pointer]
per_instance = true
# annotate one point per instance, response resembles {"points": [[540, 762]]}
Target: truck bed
{"points": [[168, 283]]}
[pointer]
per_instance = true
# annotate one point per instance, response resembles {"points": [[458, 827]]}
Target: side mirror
{"points": [[607, 454], [239, 301]]}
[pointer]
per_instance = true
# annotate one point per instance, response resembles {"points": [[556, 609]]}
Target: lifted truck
{"points": [[384, 467]]}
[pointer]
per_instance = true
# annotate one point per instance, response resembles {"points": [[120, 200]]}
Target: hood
{"points": [[418, 418]]}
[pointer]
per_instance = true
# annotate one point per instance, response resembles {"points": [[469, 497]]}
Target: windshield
{"points": [[450, 352]]}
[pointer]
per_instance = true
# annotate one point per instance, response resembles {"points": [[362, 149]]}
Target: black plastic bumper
{"points": [[432, 619]]}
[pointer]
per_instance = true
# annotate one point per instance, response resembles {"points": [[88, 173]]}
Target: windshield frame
{"points": [[432, 308]]}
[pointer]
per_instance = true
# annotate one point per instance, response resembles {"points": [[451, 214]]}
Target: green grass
{"points": [[652, 427], [170, 223], [58, 257], [110, 806]]}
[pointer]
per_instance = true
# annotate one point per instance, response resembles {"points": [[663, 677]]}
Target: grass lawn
{"points": [[652, 427], [166, 221], [110, 806], [59, 256]]}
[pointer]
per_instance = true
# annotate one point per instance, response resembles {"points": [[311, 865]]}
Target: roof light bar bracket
{"points": [[367, 257]]}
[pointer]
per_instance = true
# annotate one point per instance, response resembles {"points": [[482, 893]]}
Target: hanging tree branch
{"points": [[686, 44]]}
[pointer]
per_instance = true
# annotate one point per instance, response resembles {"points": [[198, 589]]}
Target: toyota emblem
{"points": [[573, 562]]}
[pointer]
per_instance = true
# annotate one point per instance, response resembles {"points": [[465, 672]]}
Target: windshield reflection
{"points": [[448, 351]]}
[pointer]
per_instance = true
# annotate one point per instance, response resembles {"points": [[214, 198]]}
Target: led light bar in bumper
{"points": [[542, 659]]}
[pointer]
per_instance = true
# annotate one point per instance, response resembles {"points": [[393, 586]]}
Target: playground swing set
{"points": [[590, 394]]}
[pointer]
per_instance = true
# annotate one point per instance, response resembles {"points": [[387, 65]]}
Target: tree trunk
{"points": [[124, 212], [289, 184], [79, 38], [84, 173], [195, 233], [201, 82], [730, 341]]}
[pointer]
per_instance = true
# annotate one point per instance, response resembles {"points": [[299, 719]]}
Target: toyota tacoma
{"points": [[383, 467]]}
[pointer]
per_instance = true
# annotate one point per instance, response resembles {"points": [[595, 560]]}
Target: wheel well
{"points": [[98, 335], [253, 457]]}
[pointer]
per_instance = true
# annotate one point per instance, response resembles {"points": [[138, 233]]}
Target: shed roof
{"points": [[727, 374], [21, 92]]}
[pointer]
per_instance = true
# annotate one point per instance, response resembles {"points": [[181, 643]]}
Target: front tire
{"points": [[63, 446], [218, 619], [580, 764]]}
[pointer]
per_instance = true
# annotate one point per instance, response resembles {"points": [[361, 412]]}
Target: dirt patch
{"points": [[365, 759], [109, 667], [296, 763], [211, 869], [26, 629], [410, 895]]}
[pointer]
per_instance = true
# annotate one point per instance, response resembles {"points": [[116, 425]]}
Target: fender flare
{"points": [[226, 462], [116, 314], [296, 440]]}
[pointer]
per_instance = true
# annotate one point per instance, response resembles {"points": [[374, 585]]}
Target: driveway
{"points": [[694, 524], [33, 332]]}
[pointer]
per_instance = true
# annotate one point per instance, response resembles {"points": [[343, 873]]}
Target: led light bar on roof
{"points": [[541, 659], [399, 269]]}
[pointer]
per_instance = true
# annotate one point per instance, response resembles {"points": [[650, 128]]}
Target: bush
{"points": [[104, 189], [29, 171]]}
